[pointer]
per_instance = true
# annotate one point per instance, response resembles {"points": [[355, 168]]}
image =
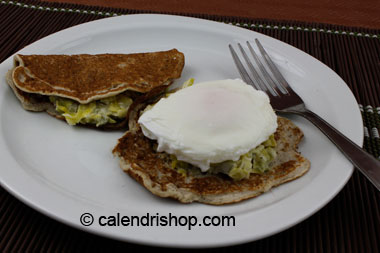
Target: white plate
{"points": [[65, 171]]}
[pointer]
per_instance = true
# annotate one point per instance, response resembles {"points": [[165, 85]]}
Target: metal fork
{"points": [[285, 100]]}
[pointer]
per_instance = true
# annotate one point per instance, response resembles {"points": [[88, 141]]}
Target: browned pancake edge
{"points": [[85, 78], [139, 159]]}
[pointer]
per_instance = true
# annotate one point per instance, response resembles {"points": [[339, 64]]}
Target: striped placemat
{"points": [[349, 223]]}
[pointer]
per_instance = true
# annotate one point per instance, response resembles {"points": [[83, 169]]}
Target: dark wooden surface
{"points": [[359, 13]]}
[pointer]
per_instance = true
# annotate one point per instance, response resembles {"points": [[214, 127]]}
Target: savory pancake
{"points": [[100, 87], [139, 158]]}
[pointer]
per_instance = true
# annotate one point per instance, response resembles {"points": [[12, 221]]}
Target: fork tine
{"points": [[243, 73], [282, 83], [253, 70], [269, 81]]}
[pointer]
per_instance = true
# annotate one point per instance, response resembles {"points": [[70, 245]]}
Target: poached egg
{"points": [[210, 122]]}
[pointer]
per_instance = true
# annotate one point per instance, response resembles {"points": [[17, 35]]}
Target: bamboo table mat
{"points": [[349, 223]]}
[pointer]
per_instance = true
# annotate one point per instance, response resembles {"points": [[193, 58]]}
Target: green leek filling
{"points": [[99, 112], [257, 160]]}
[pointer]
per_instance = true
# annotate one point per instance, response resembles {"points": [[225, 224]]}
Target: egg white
{"points": [[210, 122]]}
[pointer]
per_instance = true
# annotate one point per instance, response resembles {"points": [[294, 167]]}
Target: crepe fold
{"points": [[85, 78]]}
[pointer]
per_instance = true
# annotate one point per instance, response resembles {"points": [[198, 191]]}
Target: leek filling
{"points": [[99, 112], [257, 160]]}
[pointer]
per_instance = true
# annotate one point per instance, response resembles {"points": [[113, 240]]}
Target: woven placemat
{"points": [[349, 223]]}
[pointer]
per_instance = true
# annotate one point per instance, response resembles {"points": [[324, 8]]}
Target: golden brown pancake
{"points": [[153, 170], [85, 78]]}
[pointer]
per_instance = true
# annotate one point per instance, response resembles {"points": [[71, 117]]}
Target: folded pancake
{"points": [[154, 170], [72, 87]]}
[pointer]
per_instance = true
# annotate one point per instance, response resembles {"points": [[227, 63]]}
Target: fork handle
{"points": [[362, 160]]}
